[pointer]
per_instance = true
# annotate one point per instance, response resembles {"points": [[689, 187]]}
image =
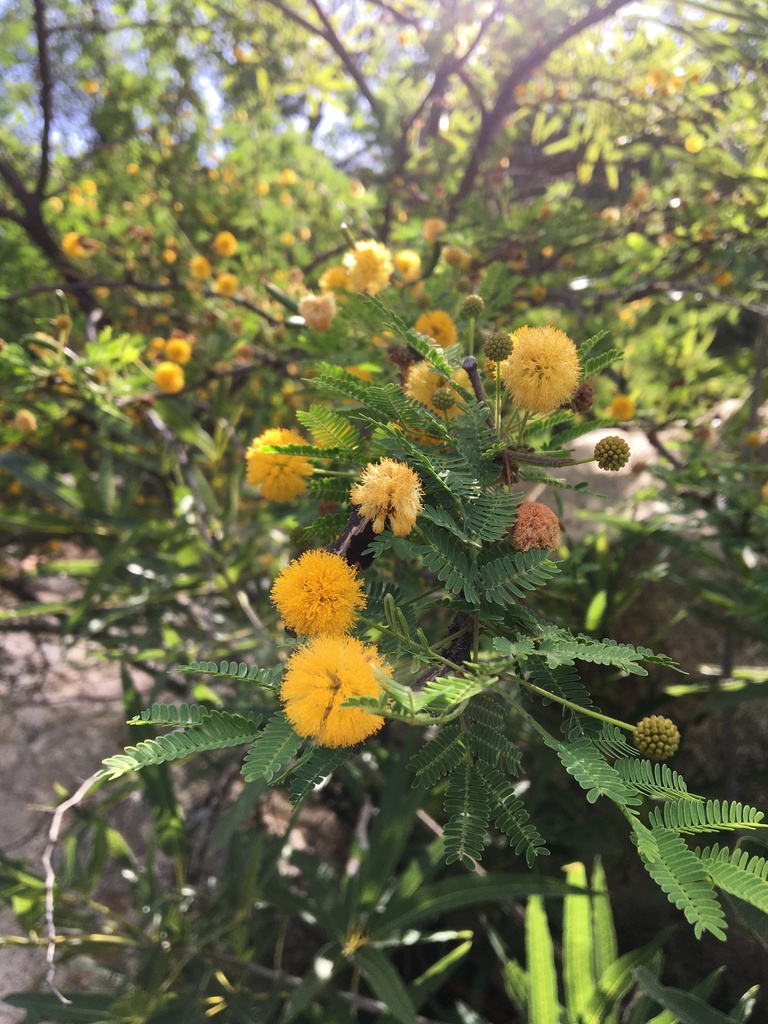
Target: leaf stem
{"points": [[573, 707]]}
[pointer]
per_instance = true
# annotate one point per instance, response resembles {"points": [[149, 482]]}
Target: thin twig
{"points": [[50, 881]]}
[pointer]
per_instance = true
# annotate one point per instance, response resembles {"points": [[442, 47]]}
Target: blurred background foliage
{"points": [[604, 165]]}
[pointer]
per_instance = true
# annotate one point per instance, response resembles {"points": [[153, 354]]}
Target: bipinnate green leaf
{"points": [[593, 773], [682, 876], [329, 429], [321, 763], [511, 817], [466, 800], [711, 816], [737, 873], [439, 756], [275, 747], [215, 731], [507, 579], [656, 780], [443, 556], [269, 677]]}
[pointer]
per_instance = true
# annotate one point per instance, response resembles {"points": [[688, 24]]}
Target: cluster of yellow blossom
{"points": [[280, 477], [542, 371], [388, 490], [320, 596], [369, 266], [438, 325], [422, 382], [169, 377]]}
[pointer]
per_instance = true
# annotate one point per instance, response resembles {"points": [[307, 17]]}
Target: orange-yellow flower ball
{"points": [[169, 377]]}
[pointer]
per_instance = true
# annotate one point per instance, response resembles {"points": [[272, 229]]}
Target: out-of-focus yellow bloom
{"points": [[280, 477], [438, 325], [227, 284], [408, 264], [369, 266], [334, 279], [287, 177], [200, 268], [622, 407], [261, 188], [169, 377], [178, 350], [224, 244], [433, 227]]}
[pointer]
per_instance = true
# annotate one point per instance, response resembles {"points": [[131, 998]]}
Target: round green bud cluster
{"points": [[473, 305], [656, 737], [423, 300], [612, 453], [443, 397], [463, 284], [497, 345]]}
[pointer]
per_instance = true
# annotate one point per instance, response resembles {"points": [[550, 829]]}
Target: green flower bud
{"points": [[473, 306], [656, 737], [497, 345], [612, 453], [443, 397]]}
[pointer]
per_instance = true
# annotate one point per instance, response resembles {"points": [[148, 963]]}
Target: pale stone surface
{"points": [[62, 714]]}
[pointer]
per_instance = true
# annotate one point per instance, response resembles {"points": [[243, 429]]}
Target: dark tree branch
{"points": [[452, 65], [346, 59], [46, 97], [328, 34], [493, 120], [86, 285]]}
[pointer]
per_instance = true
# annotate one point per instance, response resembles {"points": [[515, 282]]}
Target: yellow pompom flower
{"points": [[280, 477], [169, 377], [438, 325], [72, 246], [389, 490], [319, 678], [224, 244], [764, 492], [433, 227], [227, 284], [178, 350], [622, 407], [200, 268], [287, 177], [318, 594], [261, 188], [542, 371], [334, 279], [408, 264], [422, 382], [369, 267]]}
